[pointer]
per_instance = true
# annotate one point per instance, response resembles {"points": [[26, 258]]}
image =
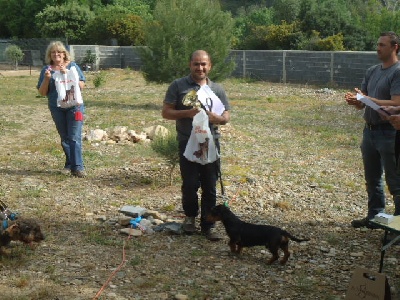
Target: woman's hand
{"points": [[47, 73], [63, 69]]}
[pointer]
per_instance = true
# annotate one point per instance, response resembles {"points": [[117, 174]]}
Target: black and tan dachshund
{"points": [[243, 234], [24, 230]]}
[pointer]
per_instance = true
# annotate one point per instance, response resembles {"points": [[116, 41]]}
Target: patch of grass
{"points": [[99, 79], [32, 192], [18, 256], [22, 282], [305, 283], [168, 147], [169, 207], [333, 239], [10, 125], [101, 235], [135, 261], [237, 170], [198, 252]]}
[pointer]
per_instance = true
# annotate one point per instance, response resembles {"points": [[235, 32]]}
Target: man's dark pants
{"points": [[194, 176]]}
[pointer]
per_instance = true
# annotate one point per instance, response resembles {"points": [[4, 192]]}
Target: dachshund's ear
{"points": [[13, 229]]}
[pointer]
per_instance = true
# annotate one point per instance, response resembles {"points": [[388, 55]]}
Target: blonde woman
{"points": [[68, 121]]}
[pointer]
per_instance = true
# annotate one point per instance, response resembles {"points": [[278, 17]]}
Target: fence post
{"points": [[244, 64], [284, 66], [97, 52], [331, 69]]}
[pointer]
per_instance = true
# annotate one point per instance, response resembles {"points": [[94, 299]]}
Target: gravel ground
{"points": [[82, 250]]}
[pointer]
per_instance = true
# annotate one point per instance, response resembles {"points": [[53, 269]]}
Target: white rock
{"points": [[153, 131]]}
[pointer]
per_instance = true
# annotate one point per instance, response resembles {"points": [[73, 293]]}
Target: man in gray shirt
{"points": [[381, 81], [195, 175]]}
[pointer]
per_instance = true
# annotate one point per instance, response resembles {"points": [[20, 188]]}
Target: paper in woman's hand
{"points": [[367, 101]]}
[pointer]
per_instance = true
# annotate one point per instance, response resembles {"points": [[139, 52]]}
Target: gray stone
{"points": [[133, 211], [172, 227]]}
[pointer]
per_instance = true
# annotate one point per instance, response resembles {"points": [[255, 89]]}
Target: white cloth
{"points": [[210, 101]]}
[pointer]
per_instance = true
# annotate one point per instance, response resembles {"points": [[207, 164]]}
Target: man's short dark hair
{"points": [[195, 53], [394, 38]]}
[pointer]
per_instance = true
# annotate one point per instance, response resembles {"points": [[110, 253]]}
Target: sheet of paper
{"points": [[372, 104], [210, 101]]}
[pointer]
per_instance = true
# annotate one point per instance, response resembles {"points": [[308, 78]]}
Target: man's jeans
{"points": [[70, 132], [194, 176], [377, 148]]}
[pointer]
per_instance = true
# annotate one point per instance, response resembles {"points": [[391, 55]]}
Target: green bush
{"points": [[316, 43], [99, 79], [168, 147], [90, 58], [14, 54], [331, 43]]}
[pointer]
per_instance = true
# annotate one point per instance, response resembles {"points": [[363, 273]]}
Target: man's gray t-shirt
{"points": [[177, 91], [381, 84]]}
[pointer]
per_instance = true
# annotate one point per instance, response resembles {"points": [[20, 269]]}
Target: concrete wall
{"points": [[109, 56], [342, 69]]}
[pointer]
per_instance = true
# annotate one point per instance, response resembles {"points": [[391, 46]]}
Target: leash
{"points": [[134, 223], [122, 264], [209, 103], [219, 174], [6, 214], [226, 202]]}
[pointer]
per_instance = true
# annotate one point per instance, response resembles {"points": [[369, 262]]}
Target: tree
{"points": [[236, 6], [17, 17], [14, 54], [286, 10], [327, 17], [127, 30], [181, 27], [246, 24], [333, 17], [274, 37], [67, 21], [141, 8], [115, 22]]}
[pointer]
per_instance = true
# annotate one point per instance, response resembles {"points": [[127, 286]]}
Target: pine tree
{"points": [[181, 27]]}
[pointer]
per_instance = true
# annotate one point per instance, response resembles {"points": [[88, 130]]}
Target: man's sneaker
{"points": [[189, 225], [362, 223], [212, 234]]}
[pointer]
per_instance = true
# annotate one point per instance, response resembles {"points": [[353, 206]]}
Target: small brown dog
{"points": [[22, 229], [243, 234]]}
